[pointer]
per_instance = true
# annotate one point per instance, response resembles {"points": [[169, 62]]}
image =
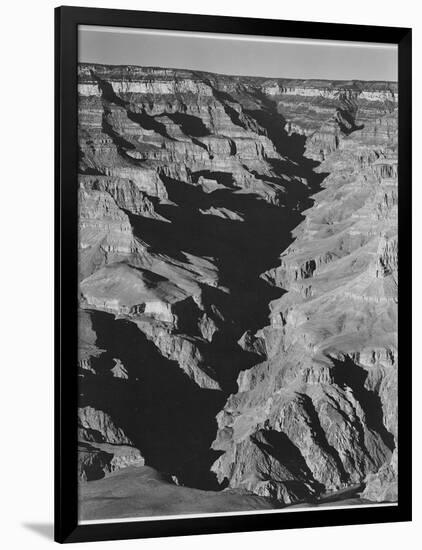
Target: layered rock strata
{"points": [[190, 185], [324, 398]]}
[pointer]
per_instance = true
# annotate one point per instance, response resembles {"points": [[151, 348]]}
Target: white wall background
{"points": [[26, 272]]}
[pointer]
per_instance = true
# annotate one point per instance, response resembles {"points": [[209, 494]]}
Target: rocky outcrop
{"points": [[238, 262], [88, 350], [328, 382], [103, 447], [97, 426]]}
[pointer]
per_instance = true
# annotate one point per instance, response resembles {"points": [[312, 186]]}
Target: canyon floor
{"points": [[143, 492], [238, 292]]}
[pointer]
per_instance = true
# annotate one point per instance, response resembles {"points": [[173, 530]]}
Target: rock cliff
{"points": [[238, 281]]}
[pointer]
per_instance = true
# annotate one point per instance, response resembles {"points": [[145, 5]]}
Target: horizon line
{"points": [[236, 75]]}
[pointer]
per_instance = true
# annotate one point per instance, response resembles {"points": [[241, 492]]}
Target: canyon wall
{"points": [[238, 281]]}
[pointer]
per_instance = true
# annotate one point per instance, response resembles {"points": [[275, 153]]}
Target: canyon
{"points": [[237, 290]]}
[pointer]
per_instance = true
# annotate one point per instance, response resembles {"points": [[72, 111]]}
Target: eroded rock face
{"points": [[103, 447], [329, 380], [238, 261]]}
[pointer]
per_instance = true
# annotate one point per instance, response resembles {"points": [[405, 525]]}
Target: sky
{"points": [[238, 54]]}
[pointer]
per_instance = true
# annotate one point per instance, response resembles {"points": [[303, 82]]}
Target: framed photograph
{"points": [[232, 274]]}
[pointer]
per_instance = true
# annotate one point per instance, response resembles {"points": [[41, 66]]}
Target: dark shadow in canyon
{"points": [[241, 250], [278, 445], [226, 100], [121, 143], [346, 115], [190, 125], [348, 373], [346, 122], [138, 116], [321, 437], [166, 415]]}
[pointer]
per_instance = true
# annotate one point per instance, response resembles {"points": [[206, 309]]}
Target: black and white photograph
{"points": [[237, 264], [210, 276]]}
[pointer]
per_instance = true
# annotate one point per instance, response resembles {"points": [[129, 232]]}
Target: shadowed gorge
{"points": [[238, 274], [175, 436]]}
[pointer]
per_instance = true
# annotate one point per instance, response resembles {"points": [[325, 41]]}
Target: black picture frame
{"points": [[67, 20]]}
